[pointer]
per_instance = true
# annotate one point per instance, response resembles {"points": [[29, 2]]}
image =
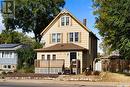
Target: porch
{"points": [[49, 66]]}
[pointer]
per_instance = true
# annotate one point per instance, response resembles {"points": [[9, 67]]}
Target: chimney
{"points": [[84, 21]]}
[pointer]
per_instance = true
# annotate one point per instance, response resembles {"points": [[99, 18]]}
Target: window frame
{"points": [[62, 21], [53, 56], [4, 66], [9, 66], [56, 37], [65, 21], [42, 57], [71, 37], [53, 37], [49, 57], [74, 36]]}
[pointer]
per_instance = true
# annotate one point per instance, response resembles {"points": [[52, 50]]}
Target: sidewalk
{"points": [[117, 84]]}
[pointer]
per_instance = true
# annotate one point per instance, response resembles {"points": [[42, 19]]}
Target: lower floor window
{"points": [[48, 57], [4, 66], [9, 66], [53, 57]]}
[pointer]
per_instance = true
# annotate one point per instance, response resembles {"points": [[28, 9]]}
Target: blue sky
{"points": [[83, 9], [80, 9]]}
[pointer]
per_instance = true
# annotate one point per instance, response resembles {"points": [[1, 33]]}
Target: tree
{"points": [[113, 23], [10, 36], [105, 48], [33, 15], [26, 57]]}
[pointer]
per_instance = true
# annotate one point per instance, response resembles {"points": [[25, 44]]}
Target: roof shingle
{"points": [[62, 47], [8, 45]]}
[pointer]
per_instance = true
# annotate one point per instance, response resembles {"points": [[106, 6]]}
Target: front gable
{"points": [[74, 26], [56, 22]]}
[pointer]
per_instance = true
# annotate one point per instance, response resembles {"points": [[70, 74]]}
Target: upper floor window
{"points": [[74, 37], [56, 37], [71, 37], [6, 54], [65, 21]]}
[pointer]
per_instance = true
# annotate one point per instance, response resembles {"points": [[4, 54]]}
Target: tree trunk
{"points": [[37, 37]]}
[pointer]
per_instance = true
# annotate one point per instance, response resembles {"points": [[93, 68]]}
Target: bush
{"points": [[4, 73], [88, 73], [9, 72], [96, 73], [27, 69]]}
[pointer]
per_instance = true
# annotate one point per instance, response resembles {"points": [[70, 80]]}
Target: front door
{"points": [[73, 56]]}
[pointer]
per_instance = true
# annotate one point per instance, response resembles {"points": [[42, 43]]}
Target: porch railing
{"points": [[49, 63]]}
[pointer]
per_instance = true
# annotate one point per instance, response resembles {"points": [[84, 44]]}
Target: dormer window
{"points": [[65, 21], [62, 21]]}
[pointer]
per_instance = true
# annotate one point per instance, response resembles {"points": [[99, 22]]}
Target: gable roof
{"points": [[64, 11], [62, 47]]}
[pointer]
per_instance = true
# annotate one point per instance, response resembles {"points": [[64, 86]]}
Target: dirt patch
{"points": [[103, 77], [114, 77], [78, 78]]}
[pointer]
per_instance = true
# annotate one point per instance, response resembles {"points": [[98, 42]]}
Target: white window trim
{"points": [[51, 55], [65, 21], [56, 38], [74, 37]]}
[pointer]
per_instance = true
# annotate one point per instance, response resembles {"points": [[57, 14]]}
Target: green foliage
{"points": [[37, 45], [33, 15], [113, 23], [26, 57], [27, 69], [10, 36], [105, 48]]}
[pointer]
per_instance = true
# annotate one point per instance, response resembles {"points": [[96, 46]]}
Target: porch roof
{"points": [[62, 47]]}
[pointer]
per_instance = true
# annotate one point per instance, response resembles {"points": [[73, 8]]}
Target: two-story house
{"points": [[8, 57], [68, 43]]}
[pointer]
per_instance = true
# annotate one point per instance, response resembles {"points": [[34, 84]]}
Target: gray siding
{"points": [[9, 61]]}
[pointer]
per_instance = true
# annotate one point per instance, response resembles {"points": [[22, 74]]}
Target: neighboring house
{"points": [[8, 56], [112, 63], [67, 44]]}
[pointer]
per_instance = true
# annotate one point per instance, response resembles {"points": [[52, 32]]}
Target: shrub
{"points": [[4, 73], [9, 72], [96, 73], [27, 69], [88, 73]]}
